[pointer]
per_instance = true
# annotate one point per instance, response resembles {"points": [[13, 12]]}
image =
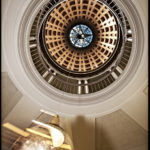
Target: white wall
{"points": [[10, 95], [137, 109], [117, 131]]}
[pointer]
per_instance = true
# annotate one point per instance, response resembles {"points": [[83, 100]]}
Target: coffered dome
{"points": [[75, 52], [80, 47], [94, 22]]}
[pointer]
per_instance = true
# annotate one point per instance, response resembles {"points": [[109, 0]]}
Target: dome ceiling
{"points": [[74, 52], [80, 47], [81, 16]]}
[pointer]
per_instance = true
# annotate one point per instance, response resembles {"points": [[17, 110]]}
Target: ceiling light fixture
{"points": [[43, 135], [35, 143], [55, 132]]}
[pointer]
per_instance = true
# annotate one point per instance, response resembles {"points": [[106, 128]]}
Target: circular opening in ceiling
{"points": [[81, 49], [47, 85], [81, 36], [66, 32], [83, 71]]}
